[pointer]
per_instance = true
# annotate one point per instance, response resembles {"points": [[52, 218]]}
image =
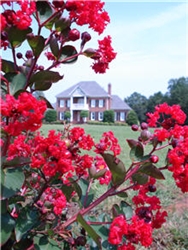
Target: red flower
{"points": [[23, 114], [56, 198], [136, 232], [118, 228], [108, 143], [21, 20], [105, 55], [80, 12], [3, 22]]}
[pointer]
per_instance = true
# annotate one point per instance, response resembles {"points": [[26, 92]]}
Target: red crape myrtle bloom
{"points": [[171, 119], [100, 164], [80, 12], [22, 114], [56, 198], [138, 231], [105, 54], [178, 160], [149, 207], [108, 143], [21, 18]]}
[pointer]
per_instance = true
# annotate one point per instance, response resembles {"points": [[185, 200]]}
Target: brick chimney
{"points": [[109, 89], [109, 93]]}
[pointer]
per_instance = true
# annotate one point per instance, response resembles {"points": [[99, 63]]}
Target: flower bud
{"points": [[154, 158], [80, 241], [135, 127], [29, 54], [144, 125], [152, 188], [58, 4], [85, 36], [74, 35], [19, 55], [145, 135], [92, 171]]}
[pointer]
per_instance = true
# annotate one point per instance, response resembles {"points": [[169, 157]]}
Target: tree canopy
{"points": [[177, 93]]}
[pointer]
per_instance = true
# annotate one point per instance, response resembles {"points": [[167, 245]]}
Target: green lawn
{"points": [[174, 234]]}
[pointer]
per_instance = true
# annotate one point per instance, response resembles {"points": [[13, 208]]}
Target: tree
{"points": [[138, 103], [178, 93], [84, 114], [50, 115], [156, 99], [132, 118], [108, 116], [67, 115]]}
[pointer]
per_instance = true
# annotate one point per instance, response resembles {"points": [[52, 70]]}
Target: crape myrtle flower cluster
{"points": [[78, 12], [171, 120]]}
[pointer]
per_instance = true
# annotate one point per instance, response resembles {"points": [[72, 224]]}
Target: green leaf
{"points": [[116, 167], [12, 180], [50, 24], [67, 190], [7, 66], [42, 86], [76, 186], [89, 230], [62, 23], [140, 178], [84, 186], [68, 51], [115, 210], [44, 10], [37, 44], [151, 170], [122, 195], [18, 83], [45, 243], [23, 244], [45, 76], [4, 204], [17, 36], [26, 220], [132, 143], [90, 52], [54, 46], [47, 102], [7, 225], [137, 152], [126, 209]]}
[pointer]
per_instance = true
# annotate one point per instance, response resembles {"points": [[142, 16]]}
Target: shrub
{"points": [[132, 118], [50, 115], [108, 116]]}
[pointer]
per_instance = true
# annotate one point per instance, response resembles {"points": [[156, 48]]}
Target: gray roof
{"points": [[89, 88], [118, 103]]}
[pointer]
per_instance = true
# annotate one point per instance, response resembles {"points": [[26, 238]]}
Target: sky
{"points": [[151, 41]]}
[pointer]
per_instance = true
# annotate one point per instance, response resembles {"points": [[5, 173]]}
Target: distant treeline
{"points": [[177, 93]]}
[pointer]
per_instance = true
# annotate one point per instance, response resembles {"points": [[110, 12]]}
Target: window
{"points": [[101, 103], [100, 116], [61, 116], [68, 103], [93, 104], [61, 103], [122, 116], [92, 116]]}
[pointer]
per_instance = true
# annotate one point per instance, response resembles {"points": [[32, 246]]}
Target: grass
{"points": [[174, 234]]}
